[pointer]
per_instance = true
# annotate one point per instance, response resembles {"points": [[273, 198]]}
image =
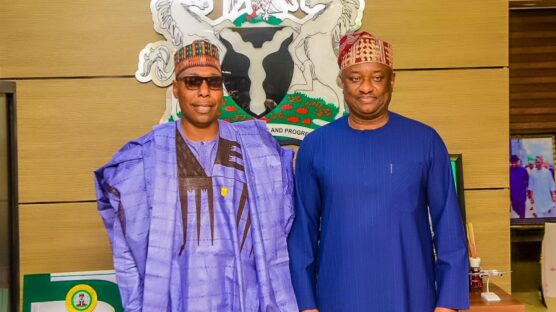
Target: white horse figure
{"points": [[157, 56], [316, 43], [187, 21], [180, 22]]}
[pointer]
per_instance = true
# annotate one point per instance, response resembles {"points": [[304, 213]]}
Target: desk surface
{"points": [[507, 304]]}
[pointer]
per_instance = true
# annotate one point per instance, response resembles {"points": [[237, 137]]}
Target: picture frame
{"points": [[9, 251], [532, 183]]}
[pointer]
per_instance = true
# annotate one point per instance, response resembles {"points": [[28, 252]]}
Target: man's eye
{"points": [[378, 78], [355, 79]]}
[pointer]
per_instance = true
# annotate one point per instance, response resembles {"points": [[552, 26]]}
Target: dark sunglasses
{"points": [[195, 82]]}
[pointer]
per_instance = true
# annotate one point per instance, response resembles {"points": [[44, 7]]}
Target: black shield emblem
{"points": [[278, 71]]}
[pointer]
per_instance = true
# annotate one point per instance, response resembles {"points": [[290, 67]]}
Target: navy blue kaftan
{"points": [[370, 193]]}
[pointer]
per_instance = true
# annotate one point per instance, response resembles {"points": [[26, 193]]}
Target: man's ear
{"points": [[175, 88], [392, 80], [339, 81]]}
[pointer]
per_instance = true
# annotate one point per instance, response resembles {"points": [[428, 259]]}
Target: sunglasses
{"points": [[195, 82]]}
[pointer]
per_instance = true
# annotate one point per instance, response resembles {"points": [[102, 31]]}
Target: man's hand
{"points": [[444, 310]]}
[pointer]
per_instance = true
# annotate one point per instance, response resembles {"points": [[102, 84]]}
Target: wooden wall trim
{"points": [[532, 71]]}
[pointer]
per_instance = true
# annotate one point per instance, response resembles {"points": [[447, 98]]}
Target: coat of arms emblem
{"points": [[278, 57]]}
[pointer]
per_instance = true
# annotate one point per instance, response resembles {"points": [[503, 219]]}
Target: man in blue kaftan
{"points": [[198, 211], [366, 186], [519, 181]]}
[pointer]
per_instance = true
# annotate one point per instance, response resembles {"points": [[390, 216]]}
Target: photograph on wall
{"points": [[532, 187]]}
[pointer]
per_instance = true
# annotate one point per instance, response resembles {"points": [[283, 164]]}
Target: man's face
{"points": [[368, 89], [514, 164], [539, 162], [199, 104]]}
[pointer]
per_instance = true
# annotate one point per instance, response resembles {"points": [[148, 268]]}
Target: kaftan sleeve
{"points": [[531, 182], [111, 182], [286, 157], [452, 264], [551, 181], [303, 239], [287, 212]]}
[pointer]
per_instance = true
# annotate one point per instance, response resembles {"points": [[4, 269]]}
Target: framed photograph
{"points": [[532, 187], [9, 229]]}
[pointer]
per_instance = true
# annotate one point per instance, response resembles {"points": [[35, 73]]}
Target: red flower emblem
{"points": [[302, 111]]}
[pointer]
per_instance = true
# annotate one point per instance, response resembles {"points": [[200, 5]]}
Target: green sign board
{"points": [[74, 292]]}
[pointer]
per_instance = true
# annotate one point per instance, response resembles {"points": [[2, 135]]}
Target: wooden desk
{"points": [[507, 304]]}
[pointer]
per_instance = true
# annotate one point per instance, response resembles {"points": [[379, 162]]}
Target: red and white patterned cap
{"points": [[364, 47]]}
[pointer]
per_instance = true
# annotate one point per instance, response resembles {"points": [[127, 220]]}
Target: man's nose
{"points": [[366, 86], [204, 89]]}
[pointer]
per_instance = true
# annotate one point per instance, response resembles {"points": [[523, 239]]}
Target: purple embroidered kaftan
{"points": [[232, 253]]}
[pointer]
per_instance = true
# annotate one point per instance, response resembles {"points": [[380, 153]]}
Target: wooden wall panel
{"points": [[63, 38], [69, 127], [532, 71], [62, 238], [489, 211], [441, 34], [469, 109], [79, 232]]}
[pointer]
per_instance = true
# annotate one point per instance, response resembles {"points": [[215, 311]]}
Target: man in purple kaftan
{"points": [[198, 210]]}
